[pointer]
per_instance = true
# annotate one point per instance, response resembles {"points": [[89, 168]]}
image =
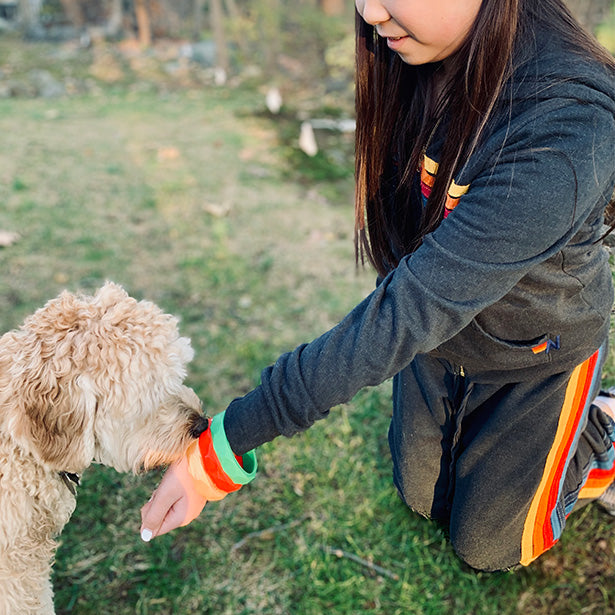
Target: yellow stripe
{"points": [[592, 492], [456, 191], [431, 166], [527, 540]]}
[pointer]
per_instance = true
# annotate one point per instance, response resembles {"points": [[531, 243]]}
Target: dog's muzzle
{"points": [[201, 424]]}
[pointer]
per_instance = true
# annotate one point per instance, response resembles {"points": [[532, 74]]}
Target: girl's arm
{"points": [[530, 199], [523, 208]]}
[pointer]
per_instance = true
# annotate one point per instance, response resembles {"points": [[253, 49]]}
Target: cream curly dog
{"points": [[85, 379]]}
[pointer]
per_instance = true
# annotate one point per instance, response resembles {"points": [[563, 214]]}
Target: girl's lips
{"points": [[394, 42]]}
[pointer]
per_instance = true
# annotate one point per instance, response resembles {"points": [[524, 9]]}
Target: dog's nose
{"points": [[199, 425]]}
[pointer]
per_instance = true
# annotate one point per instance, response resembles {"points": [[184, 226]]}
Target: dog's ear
{"points": [[48, 406], [54, 418]]}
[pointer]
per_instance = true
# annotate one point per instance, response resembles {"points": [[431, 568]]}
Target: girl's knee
{"points": [[486, 550], [421, 501]]}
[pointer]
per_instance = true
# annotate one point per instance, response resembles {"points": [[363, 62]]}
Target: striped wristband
{"points": [[240, 474], [212, 466], [203, 484], [215, 468]]}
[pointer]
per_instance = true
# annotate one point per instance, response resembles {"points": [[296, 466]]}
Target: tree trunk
{"points": [[217, 25], [270, 26], [232, 9], [116, 18], [233, 12], [72, 9], [143, 23], [29, 17], [199, 5]]}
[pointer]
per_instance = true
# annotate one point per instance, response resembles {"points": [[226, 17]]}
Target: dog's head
{"points": [[98, 379]]}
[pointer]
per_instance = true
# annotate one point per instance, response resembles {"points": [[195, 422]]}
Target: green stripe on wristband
{"points": [[226, 457]]}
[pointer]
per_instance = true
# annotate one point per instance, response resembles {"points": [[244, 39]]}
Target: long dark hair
{"points": [[397, 111]]}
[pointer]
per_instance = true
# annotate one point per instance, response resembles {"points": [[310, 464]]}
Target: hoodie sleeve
{"points": [[530, 198]]}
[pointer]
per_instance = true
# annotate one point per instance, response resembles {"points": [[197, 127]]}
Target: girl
{"points": [[485, 158]]}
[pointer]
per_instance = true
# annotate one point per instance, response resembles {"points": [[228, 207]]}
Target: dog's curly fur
{"points": [[85, 379]]}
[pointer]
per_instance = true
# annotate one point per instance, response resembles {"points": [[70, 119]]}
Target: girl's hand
{"points": [[207, 472], [175, 503]]}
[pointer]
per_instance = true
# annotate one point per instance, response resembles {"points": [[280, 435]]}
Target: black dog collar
{"points": [[71, 480]]}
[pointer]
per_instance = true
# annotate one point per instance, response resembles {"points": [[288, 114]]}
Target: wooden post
{"points": [[143, 23]]}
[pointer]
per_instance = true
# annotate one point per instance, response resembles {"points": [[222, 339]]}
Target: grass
{"points": [[189, 199]]}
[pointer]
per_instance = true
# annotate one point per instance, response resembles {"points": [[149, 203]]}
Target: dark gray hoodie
{"points": [[512, 283]]}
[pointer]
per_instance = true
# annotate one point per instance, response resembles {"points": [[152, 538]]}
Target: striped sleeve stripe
{"points": [[429, 170], [542, 527], [598, 481]]}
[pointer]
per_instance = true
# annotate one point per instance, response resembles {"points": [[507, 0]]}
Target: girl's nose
{"points": [[372, 11]]}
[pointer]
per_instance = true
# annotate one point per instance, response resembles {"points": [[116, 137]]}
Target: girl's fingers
{"points": [[173, 504], [154, 513]]}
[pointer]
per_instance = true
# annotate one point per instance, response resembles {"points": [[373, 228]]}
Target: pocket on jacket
{"points": [[542, 343]]}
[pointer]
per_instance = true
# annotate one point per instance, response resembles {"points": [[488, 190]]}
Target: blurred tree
{"points": [[74, 12], [270, 25], [332, 7], [107, 15], [217, 25], [29, 17], [235, 16], [116, 18], [197, 25], [143, 22], [590, 12]]}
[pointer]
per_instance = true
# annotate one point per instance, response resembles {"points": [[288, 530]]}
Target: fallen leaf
{"points": [[8, 238]]}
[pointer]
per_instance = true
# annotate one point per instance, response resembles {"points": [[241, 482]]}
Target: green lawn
{"points": [[189, 198]]}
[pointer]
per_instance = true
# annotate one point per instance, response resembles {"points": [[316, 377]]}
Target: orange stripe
{"points": [[569, 428], [427, 178], [597, 482], [537, 532], [429, 169], [450, 204]]}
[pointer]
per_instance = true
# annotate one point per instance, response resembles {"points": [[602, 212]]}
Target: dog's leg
{"points": [[25, 585], [35, 505]]}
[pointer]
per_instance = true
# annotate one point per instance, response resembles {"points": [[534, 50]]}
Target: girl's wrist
{"points": [[212, 465], [216, 470], [202, 482], [240, 473]]}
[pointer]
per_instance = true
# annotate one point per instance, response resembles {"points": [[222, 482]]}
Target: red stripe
{"points": [[580, 399]]}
